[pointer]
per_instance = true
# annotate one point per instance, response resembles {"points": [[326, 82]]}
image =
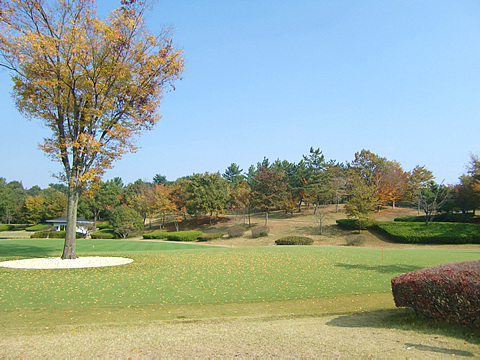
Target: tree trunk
{"points": [[69, 249], [94, 219], [266, 217]]}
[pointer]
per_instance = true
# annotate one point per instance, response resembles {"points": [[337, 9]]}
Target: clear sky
{"points": [[275, 77]]}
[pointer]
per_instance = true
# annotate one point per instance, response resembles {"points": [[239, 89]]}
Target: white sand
{"points": [[58, 263]]}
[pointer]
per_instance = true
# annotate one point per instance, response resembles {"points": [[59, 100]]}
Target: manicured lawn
{"points": [[434, 233], [194, 274], [15, 249]]}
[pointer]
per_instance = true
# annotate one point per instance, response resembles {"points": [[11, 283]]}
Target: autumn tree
{"points": [[178, 196], [55, 205], [337, 178], [268, 189], [362, 198], [244, 197], [368, 166], [160, 202], [467, 192], [33, 209], [417, 179], [391, 182], [95, 83], [137, 195], [465, 196]]}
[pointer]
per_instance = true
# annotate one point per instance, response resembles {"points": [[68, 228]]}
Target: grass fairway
{"points": [[189, 274], [178, 300], [25, 248]]}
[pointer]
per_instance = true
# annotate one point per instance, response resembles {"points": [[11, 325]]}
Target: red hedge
{"points": [[450, 292]]}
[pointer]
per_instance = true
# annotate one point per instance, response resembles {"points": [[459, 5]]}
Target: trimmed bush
{"points": [[352, 224], [355, 240], [260, 231], [103, 234], [53, 235], [155, 235], [6, 227], [183, 235], [294, 240], [410, 219], [207, 237], [450, 292], [445, 217], [235, 231], [435, 233]]}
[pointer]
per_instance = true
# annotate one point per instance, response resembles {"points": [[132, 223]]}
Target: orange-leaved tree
{"points": [[95, 83], [392, 183]]}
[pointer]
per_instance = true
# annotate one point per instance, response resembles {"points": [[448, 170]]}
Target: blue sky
{"points": [[274, 78]]}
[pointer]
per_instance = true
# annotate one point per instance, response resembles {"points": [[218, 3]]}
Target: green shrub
{"points": [[155, 235], [207, 237], [260, 231], [183, 235], [19, 227], [355, 240], [102, 226], [445, 217], [294, 240], [435, 233], [352, 224], [410, 219], [6, 227], [53, 235], [447, 292], [126, 216], [235, 231], [103, 234]]}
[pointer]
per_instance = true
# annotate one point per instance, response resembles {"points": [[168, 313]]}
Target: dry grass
{"points": [[358, 335], [350, 326], [305, 224]]}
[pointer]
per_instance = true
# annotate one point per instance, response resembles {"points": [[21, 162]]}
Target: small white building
{"points": [[61, 224]]}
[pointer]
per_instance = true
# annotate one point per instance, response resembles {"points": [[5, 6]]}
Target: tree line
{"points": [[366, 183]]}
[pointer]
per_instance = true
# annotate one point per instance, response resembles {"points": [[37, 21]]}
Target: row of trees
{"points": [[364, 184]]}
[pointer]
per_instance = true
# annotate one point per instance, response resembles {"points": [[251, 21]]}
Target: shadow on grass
{"points": [[407, 320], [383, 269], [11, 250], [330, 230]]}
